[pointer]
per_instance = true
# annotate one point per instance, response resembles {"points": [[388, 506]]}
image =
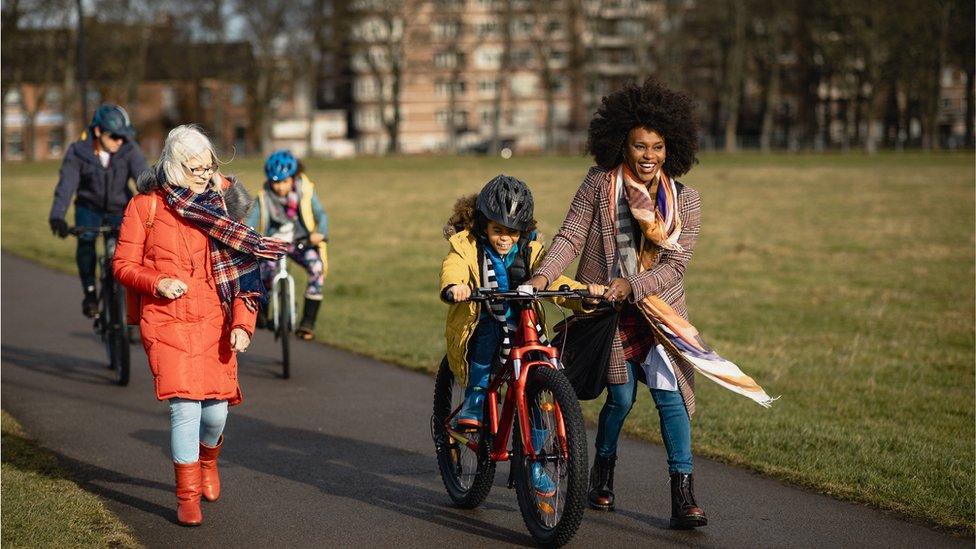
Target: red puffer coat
{"points": [[186, 339]]}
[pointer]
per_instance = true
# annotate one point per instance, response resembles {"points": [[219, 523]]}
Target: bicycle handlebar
{"points": [[76, 231], [490, 294]]}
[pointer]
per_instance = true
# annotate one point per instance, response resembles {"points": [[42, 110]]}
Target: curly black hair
{"points": [[653, 106]]}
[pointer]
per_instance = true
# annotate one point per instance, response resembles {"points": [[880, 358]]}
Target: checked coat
{"points": [[589, 232]]}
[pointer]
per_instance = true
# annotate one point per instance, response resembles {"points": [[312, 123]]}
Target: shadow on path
{"points": [[353, 469], [58, 365]]}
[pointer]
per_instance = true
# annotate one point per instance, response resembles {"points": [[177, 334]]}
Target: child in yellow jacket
{"points": [[492, 245]]}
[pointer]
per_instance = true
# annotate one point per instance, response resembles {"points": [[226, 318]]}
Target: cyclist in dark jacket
{"points": [[97, 170]]}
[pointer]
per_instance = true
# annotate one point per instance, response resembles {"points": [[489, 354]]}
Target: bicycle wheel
{"points": [[467, 473], [283, 324], [116, 333], [553, 515]]}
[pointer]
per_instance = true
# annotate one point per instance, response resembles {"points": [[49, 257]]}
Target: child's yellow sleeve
{"points": [[454, 270]]}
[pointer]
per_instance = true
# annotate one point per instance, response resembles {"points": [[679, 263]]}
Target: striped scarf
{"points": [[234, 247], [659, 223], [501, 311]]}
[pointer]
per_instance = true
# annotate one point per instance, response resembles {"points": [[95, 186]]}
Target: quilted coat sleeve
{"points": [[454, 270], [670, 270], [568, 242], [243, 317], [127, 264]]}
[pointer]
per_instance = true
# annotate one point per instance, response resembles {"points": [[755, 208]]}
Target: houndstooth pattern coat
{"points": [[589, 232]]}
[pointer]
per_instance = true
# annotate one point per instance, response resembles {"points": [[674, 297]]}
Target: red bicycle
{"points": [[539, 413]]}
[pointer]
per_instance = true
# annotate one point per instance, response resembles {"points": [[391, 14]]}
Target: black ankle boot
{"points": [[685, 513], [601, 483], [306, 328], [89, 305]]}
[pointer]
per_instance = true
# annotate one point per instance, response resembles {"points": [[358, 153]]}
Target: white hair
{"points": [[182, 144]]}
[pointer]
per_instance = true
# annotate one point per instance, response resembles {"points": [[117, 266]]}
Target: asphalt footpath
{"points": [[340, 455]]}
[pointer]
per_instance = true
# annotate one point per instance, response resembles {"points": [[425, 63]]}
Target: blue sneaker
{"points": [[544, 486], [469, 418]]}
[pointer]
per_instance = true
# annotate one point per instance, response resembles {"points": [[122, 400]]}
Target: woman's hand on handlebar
{"points": [[619, 290], [538, 282], [459, 292], [171, 288]]}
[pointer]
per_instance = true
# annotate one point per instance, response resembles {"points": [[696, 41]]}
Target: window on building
{"points": [[487, 116], [554, 26], [445, 60], [12, 98], [447, 30], [486, 28], [206, 98], [238, 94], [52, 99], [15, 143], [488, 57], [55, 141]]}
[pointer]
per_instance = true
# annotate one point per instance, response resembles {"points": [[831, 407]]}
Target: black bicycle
{"points": [[110, 320]]}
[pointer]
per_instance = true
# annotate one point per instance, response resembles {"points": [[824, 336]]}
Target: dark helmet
{"points": [[280, 165], [507, 201], [113, 119]]}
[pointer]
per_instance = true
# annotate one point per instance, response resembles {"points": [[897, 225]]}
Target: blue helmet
{"points": [[113, 120], [280, 165]]}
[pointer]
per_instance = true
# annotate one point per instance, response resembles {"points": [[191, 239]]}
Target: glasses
{"points": [[202, 170]]}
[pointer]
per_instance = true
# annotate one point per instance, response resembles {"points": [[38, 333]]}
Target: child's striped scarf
{"points": [[659, 223], [502, 312], [234, 247]]}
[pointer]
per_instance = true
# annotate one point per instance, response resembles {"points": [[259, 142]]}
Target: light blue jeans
{"points": [[193, 422], [675, 425]]}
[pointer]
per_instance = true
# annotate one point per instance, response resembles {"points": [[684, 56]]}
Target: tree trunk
{"points": [[734, 75], [970, 107], [501, 78], [772, 98]]}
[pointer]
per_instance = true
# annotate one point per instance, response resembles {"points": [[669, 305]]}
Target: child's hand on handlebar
{"points": [[315, 238], [459, 292], [171, 288]]}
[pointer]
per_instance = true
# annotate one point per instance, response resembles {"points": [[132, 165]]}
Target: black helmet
{"points": [[114, 120], [507, 201]]}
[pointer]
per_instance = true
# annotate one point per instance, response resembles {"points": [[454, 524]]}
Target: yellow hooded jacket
{"points": [[461, 267]]}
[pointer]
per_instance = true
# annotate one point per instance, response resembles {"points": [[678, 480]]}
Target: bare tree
{"points": [[546, 21], [501, 77], [383, 34]]}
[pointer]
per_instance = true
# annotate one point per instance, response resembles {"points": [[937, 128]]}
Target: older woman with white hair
{"points": [[193, 265]]}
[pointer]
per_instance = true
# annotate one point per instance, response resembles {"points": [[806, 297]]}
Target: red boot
{"points": [[188, 494], [210, 483]]}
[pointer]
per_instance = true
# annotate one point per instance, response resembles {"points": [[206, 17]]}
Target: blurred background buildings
{"points": [[336, 78]]}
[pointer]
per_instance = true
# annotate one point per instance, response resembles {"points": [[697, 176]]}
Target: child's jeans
{"points": [[193, 422], [85, 255], [308, 258]]}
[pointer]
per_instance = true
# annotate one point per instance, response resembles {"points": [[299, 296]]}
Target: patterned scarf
{"points": [[501, 311], [659, 223], [234, 247], [283, 209]]}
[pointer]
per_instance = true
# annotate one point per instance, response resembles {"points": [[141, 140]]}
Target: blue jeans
{"points": [[675, 425], [85, 253], [193, 422]]}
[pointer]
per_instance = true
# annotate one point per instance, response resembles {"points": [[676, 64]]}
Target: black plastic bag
{"points": [[584, 343]]}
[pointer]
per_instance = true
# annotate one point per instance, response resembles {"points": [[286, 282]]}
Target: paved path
{"points": [[340, 455]]}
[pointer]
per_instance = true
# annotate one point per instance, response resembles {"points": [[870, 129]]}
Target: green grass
{"points": [[43, 508], [843, 283]]}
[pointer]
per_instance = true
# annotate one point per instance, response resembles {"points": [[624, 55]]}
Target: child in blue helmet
{"points": [[288, 208], [492, 244]]}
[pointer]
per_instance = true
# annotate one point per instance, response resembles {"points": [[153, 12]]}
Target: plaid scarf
{"points": [[659, 223], [234, 247], [501, 311]]}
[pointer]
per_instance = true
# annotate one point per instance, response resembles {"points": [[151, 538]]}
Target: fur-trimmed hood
{"points": [[236, 197]]}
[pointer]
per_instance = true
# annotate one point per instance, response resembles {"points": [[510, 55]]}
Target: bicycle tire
{"points": [[574, 495], [445, 448], [119, 335], [284, 328]]}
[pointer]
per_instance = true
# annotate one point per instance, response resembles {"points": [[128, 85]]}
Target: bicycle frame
{"points": [[281, 273], [515, 374]]}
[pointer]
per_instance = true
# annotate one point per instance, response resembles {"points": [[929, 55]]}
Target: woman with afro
{"points": [[634, 228]]}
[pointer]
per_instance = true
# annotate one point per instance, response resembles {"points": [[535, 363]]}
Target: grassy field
{"points": [[843, 283], [42, 508]]}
